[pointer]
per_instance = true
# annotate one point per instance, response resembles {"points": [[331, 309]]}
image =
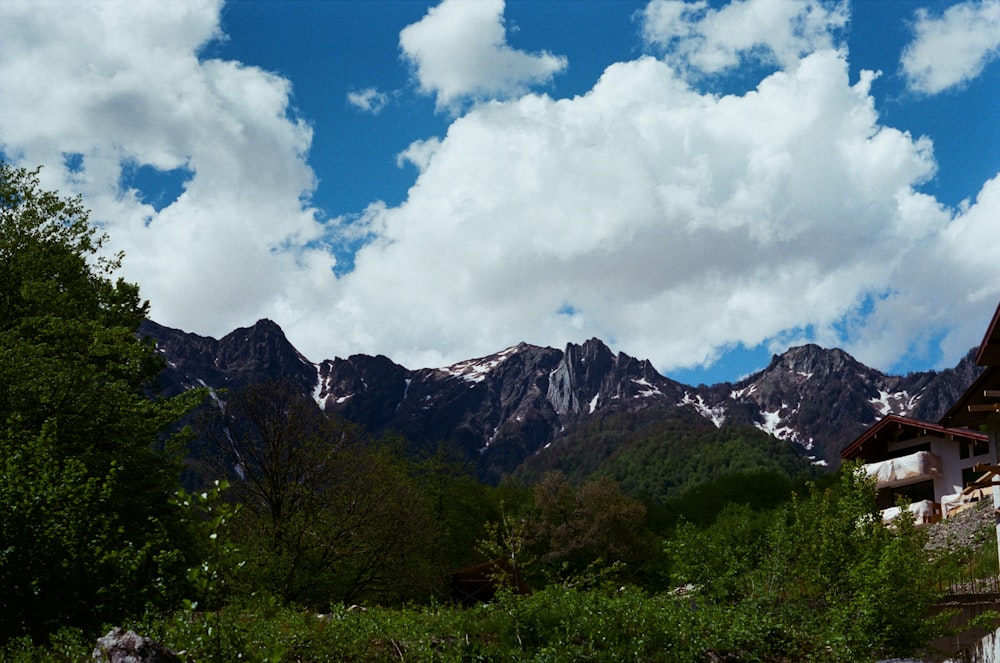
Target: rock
{"points": [[969, 530], [121, 646]]}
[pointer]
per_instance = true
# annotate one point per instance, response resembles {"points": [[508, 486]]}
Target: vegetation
{"points": [[660, 453], [87, 532], [326, 514], [302, 514]]}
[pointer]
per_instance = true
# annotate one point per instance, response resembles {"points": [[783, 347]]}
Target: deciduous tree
{"points": [[87, 531], [327, 514]]}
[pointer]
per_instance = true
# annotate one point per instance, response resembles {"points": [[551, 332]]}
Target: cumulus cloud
{"points": [[368, 100], [459, 51], [661, 218], [90, 89], [670, 222], [942, 291], [952, 48], [709, 40]]}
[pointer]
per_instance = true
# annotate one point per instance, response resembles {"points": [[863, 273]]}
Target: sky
{"points": [[703, 184]]}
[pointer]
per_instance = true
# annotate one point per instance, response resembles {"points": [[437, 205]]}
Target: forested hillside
{"points": [[658, 453]]}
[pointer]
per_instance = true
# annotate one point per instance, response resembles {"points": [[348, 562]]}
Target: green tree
{"points": [[822, 577], [572, 530], [326, 513], [461, 506], [87, 529]]}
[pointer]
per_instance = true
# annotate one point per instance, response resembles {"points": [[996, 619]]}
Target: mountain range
{"points": [[522, 404]]}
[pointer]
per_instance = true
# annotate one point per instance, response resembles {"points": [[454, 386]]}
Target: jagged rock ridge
{"points": [[502, 408]]}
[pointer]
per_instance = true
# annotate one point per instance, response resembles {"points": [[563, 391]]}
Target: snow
{"points": [[717, 414], [900, 402], [406, 392], [772, 422], [317, 393], [214, 396], [881, 403], [737, 394], [774, 425], [593, 402], [476, 370], [649, 390]]}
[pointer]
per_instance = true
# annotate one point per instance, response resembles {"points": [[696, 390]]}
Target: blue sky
{"points": [[698, 183]]}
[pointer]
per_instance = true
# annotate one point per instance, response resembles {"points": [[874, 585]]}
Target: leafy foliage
{"points": [[574, 531], [659, 453], [822, 571], [87, 532], [327, 514]]}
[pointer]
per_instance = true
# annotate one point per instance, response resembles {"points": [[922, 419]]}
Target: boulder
{"points": [[121, 646]]}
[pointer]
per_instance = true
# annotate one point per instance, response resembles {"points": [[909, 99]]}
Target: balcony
{"points": [[924, 512], [958, 502], [919, 466]]}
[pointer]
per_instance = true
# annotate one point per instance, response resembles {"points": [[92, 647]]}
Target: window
{"points": [[914, 492], [969, 448]]}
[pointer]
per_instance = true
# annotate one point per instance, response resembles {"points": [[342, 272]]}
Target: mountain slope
{"points": [[505, 408]]}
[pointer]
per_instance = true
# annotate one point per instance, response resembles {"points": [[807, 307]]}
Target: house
{"points": [[928, 464], [979, 409], [940, 468]]}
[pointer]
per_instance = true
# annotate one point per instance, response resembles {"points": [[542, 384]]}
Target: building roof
{"points": [[989, 349], [979, 401], [982, 399], [873, 443]]}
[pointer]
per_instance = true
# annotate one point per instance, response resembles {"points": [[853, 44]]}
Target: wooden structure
{"points": [[979, 408], [479, 583]]}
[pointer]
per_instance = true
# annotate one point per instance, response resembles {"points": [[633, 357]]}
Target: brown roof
{"points": [[989, 349], [872, 444]]}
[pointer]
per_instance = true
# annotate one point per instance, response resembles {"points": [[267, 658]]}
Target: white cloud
{"points": [[459, 51], [120, 83], [943, 290], [711, 40], [952, 48], [670, 222], [368, 100]]}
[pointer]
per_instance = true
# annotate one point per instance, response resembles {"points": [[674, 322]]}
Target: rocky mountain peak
{"points": [[590, 377], [263, 351], [811, 360], [505, 407]]}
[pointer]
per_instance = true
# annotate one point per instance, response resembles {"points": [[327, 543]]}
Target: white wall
{"points": [[949, 451]]}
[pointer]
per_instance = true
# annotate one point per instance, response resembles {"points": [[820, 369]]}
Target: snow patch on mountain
{"points": [[648, 388], [406, 392], [476, 370], [774, 425], [717, 414], [737, 394], [900, 402], [319, 388]]}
